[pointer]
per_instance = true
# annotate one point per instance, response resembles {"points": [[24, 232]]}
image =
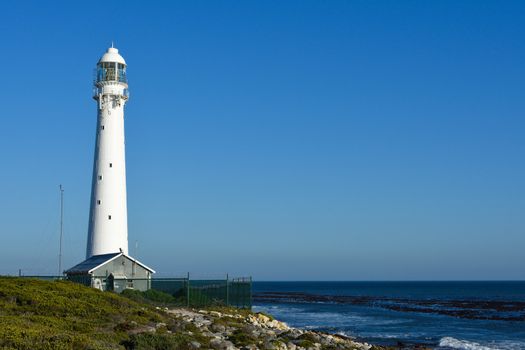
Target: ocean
{"points": [[441, 315]]}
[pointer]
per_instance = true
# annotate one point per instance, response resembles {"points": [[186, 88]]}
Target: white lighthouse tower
{"points": [[108, 265], [108, 217]]}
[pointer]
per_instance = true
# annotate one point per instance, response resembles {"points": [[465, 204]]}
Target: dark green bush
{"points": [[150, 341], [151, 295], [241, 338]]}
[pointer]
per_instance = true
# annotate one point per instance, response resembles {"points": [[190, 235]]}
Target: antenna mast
{"points": [[61, 230]]}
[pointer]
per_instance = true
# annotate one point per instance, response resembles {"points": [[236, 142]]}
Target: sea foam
{"points": [[453, 343]]}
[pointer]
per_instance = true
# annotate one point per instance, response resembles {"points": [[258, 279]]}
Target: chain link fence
{"points": [[181, 291]]}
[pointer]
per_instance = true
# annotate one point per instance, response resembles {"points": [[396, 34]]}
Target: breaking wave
{"points": [[453, 343]]}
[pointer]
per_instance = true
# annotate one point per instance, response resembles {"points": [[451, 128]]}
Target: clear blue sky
{"points": [[296, 140]]}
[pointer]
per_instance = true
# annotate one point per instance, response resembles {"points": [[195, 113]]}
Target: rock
{"points": [[315, 336], [279, 345], [327, 340], [208, 334], [222, 344], [268, 344], [277, 325], [294, 333], [215, 343], [216, 327], [263, 318], [251, 330], [144, 329], [259, 332], [269, 333]]}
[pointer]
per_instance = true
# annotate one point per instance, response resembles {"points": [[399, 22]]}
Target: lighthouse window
{"points": [[109, 217], [98, 202], [111, 165], [102, 127], [100, 177]]}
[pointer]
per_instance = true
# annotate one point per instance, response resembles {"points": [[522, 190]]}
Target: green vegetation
{"points": [[307, 340], [241, 338], [36, 314], [151, 296], [157, 341]]}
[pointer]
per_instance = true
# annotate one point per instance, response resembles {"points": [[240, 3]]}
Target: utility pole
{"points": [[61, 230]]}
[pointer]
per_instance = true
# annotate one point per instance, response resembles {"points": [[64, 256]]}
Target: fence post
{"points": [[227, 291], [250, 294], [188, 290]]}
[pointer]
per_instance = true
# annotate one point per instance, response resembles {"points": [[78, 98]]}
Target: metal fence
{"points": [[236, 292], [182, 291]]}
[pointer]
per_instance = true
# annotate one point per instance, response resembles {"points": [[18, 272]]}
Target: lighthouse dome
{"points": [[112, 55]]}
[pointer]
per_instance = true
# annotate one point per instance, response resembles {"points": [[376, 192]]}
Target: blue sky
{"points": [[299, 140]]}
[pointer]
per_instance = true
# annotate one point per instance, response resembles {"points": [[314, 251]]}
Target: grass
{"points": [[37, 314]]}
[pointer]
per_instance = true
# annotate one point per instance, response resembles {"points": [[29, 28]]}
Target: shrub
{"points": [[150, 341], [240, 338]]}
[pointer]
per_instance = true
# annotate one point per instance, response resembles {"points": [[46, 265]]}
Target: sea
{"points": [[439, 315]]}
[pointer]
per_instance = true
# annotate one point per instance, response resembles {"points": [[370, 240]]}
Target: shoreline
{"points": [[233, 329]]}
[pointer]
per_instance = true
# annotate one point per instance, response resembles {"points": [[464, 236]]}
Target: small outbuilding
{"points": [[114, 272]]}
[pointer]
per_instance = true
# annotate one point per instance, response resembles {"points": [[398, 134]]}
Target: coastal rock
{"points": [[291, 346], [216, 327], [249, 347], [263, 318], [279, 345], [222, 344], [249, 331]]}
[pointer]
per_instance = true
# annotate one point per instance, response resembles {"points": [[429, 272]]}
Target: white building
{"points": [[108, 215]]}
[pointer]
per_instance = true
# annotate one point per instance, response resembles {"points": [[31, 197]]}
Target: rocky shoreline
{"points": [[239, 329]]}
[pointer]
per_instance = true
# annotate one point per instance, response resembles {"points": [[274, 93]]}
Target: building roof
{"points": [[112, 55], [91, 264]]}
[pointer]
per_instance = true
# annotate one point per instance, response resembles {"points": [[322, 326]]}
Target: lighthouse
{"points": [[108, 265], [108, 215]]}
